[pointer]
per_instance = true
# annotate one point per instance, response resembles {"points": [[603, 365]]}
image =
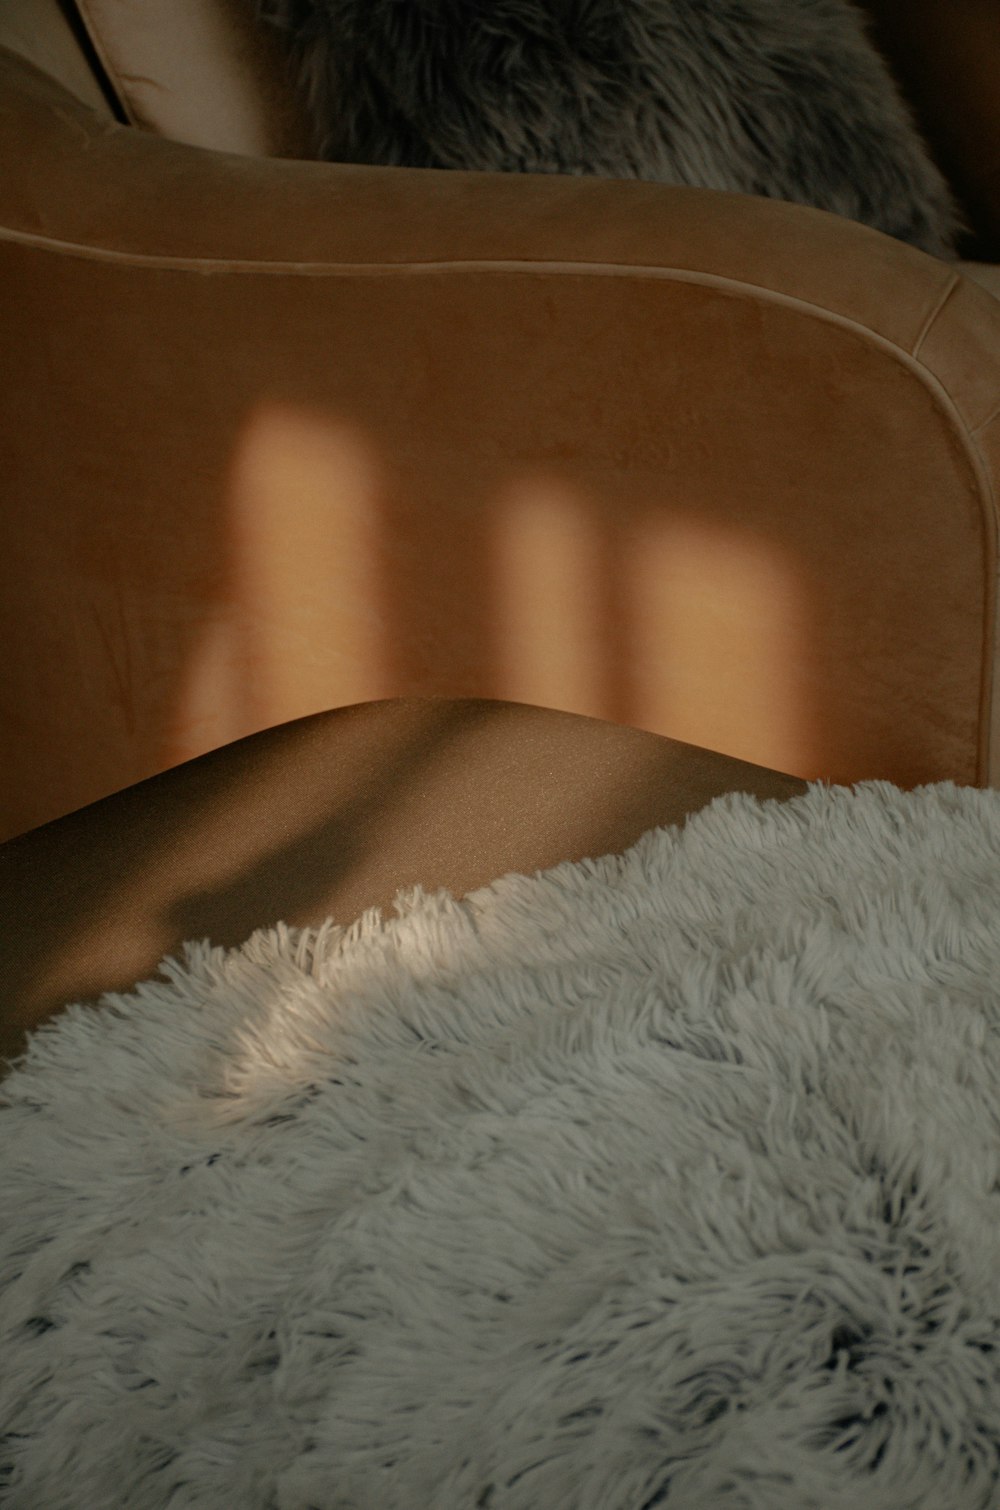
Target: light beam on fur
{"points": [[664, 1178]]}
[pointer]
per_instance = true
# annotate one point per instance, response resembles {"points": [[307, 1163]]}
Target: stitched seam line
{"points": [[932, 317], [221, 265]]}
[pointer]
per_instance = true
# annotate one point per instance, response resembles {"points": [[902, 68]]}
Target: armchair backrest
{"points": [[204, 72]]}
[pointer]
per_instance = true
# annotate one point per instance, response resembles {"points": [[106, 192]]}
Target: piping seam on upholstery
{"points": [[577, 268], [735, 286], [987, 422], [935, 311]]}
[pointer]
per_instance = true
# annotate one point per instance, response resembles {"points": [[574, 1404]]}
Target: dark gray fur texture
{"points": [[783, 98]]}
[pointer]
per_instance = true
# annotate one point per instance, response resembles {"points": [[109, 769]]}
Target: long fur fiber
{"points": [[783, 98], [668, 1179]]}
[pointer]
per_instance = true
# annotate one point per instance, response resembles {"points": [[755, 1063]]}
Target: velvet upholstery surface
{"points": [[326, 817], [287, 436]]}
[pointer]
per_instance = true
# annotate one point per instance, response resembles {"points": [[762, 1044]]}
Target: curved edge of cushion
{"points": [[199, 72]]}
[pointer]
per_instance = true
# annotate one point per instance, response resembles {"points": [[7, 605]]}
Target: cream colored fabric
{"points": [[39, 31], [198, 71]]}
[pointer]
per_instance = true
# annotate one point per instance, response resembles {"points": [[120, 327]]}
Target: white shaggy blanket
{"points": [[668, 1179]]}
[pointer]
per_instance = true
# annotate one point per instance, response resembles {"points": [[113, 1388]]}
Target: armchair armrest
{"points": [[280, 436]]}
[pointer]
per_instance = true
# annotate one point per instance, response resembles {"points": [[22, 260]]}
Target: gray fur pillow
{"points": [[783, 98]]}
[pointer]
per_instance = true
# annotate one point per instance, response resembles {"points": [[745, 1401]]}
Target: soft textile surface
{"points": [[664, 1179], [784, 98]]}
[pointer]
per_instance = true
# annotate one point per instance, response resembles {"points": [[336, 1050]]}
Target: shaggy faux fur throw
{"points": [[783, 98], [666, 1179]]}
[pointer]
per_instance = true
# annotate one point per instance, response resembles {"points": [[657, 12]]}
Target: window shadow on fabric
{"points": [[348, 579], [342, 587]]}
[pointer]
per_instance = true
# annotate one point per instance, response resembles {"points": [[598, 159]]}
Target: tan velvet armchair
{"points": [[279, 436]]}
